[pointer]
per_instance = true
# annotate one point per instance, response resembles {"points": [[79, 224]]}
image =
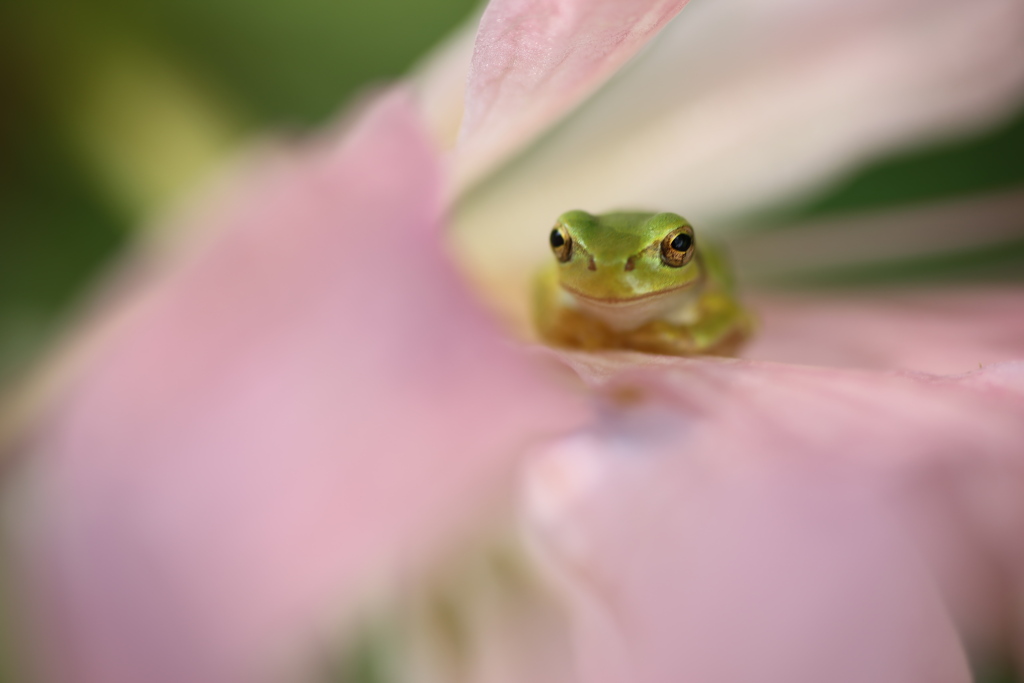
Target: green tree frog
{"points": [[638, 281]]}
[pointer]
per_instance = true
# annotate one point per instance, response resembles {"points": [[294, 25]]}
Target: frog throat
{"points": [[677, 305]]}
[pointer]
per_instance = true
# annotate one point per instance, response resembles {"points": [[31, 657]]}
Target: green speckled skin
{"points": [[616, 289]]}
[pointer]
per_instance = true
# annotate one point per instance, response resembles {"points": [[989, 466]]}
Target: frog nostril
{"points": [[591, 265], [629, 264]]}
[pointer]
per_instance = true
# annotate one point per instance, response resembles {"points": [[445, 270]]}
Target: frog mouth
{"points": [[616, 301]]}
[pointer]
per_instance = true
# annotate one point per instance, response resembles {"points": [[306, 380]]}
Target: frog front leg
{"points": [[563, 326], [723, 326]]}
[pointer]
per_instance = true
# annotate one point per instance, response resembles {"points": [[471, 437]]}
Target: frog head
{"points": [[624, 257]]}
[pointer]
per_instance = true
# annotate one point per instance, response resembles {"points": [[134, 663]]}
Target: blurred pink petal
{"points": [[948, 228], [439, 82], [304, 409], [939, 330], [536, 59], [764, 522]]}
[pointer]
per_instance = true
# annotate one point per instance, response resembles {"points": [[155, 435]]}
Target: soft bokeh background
{"points": [[113, 111]]}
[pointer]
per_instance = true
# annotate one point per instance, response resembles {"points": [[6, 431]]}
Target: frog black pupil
{"points": [[682, 242], [556, 239]]}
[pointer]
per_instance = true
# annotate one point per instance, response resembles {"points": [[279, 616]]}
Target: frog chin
{"points": [[677, 306]]}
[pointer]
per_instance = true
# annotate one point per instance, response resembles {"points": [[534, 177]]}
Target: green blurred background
{"points": [[112, 109]]}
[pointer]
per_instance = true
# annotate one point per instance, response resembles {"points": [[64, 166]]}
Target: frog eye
{"points": [[561, 244], [677, 247]]}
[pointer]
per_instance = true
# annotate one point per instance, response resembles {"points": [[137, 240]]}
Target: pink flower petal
{"points": [[300, 410], [749, 521], [887, 236], [536, 59], [439, 82], [943, 330]]}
